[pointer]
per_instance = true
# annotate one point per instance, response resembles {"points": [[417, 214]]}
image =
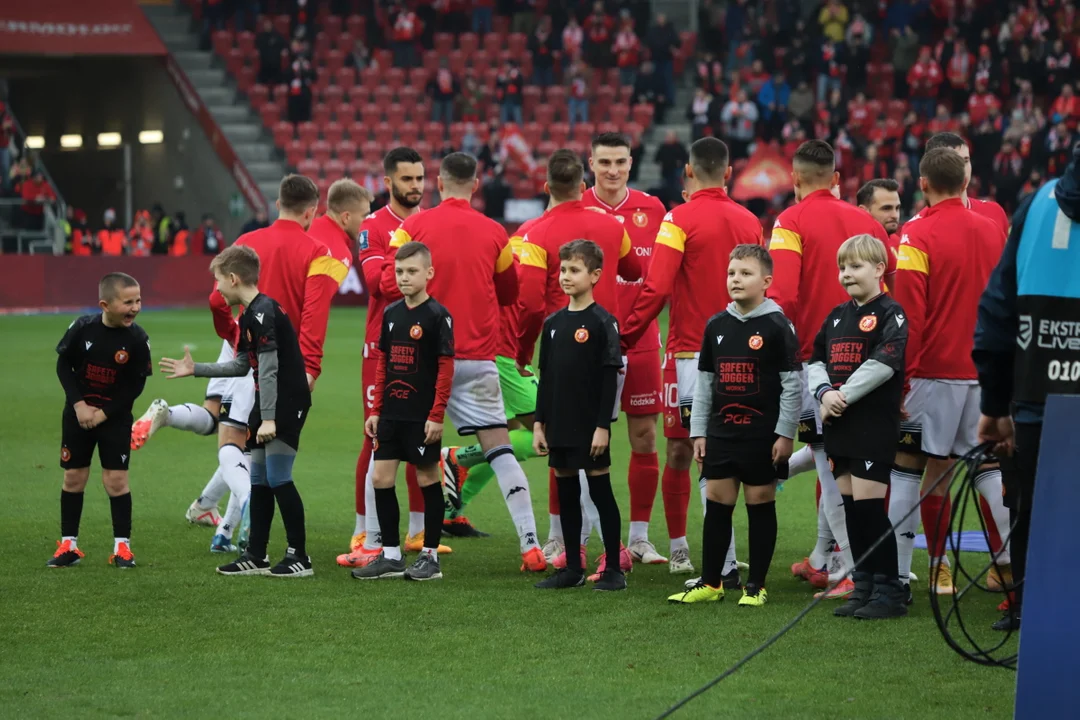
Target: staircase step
{"points": [[194, 60], [241, 132], [254, 152], [266, 171], [229, 114], [270, 192], [182, 42], [206, 78], [214, 97]]}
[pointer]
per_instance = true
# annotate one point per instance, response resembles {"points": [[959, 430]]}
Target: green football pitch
{"points": [[173, 638]]}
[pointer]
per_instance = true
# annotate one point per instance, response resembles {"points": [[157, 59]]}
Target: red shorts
{"points": [[641, 391], [673, 428], [368, 367]]}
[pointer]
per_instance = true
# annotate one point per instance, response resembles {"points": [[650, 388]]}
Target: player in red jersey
{"points": [[805, 240], [404, 181], [946, 257], [475, 274], [693, 241], [641, 215], [881, 198], [987, 208], [568, 218]]}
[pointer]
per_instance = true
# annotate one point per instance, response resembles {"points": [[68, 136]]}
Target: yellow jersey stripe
{"points": [[626, 247], [505, 259], [784, 239], [671, 235], [911, 258], [533, 256], [515, 244], [327, 265], [399, 238]]}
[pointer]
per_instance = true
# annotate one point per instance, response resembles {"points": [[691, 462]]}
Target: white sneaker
{"points": [[644, 552], [740, 565], [151, 421], [680, 562], [196, 515], [552, 549], [692, 582], [912, 578]]}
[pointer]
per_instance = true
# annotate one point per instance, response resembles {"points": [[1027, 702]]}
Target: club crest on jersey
{"points": [[868, 323], [362, 240], [756, 342], [416, 332], [581, 335], [641, 219], [121, 357], [65, 454]]}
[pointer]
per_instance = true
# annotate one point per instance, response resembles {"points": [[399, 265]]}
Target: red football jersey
{"points": [[333, 236], [541, 294], [301, 274], [474, 271], [945, 260], [375, 234], [641, 215], [805, 240], [991, 211], [689, 264]]}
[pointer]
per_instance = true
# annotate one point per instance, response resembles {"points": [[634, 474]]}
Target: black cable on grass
{"points": [[966, 495], [972, 458]]}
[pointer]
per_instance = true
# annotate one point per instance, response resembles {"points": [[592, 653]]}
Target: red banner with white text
{"points": [[76, 27]]}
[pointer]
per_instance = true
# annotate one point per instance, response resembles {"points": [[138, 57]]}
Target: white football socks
{"points": [[416, 523], [361, 525], [73, 539], [233, 512], [373, 541], [191, 417], [802, 460], [590, 516], [638, 531], [117, 541], [234, 467], [904, 485], [392, 553], [819, 558], [213, 492], [834, 504], [555, 527], [988, 483], [510, 477]]}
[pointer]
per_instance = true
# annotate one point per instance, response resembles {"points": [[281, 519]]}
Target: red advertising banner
{"points": [[37, 283], [77, 27], [766, 175], [217, 138]]}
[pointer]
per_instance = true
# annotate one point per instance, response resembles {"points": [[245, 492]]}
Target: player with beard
{"points": [[404, 180], [881, 198]]}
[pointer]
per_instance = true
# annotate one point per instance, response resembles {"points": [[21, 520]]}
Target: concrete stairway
{"points": [[230, 109]]}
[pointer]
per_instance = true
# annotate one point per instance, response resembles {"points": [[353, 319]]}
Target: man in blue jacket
{"points": [[1027, 345]]}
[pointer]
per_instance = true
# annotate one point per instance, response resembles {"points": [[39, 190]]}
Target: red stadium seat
{"points": [[333, 132], [371, 115], [642, 113], [418, 78], [626, 92], [556, 97], [323, 183], [280, 92], [271, 114], [897, 110], [394, 79], [530, 100], [619, 113], [222, 42], [517, 44], [491, 79], [583, 132], [357, 170], [421, 112], [434, 132], [322, 80], [527, 65], [319, 151], [559, 132], [606, 93], [633, 130], [359, 95], [875, 108], [335, 60], [308, 132], [444, 43], [295, 152], [604, 127], [431, 61], [358, 132], [468, 42], [384, 134], [373, 153], [345, 151], [320, 114], [234, 60], [356, 25], [532, 132], [258, 95], [524, 189], [545, 115], [480, 59], [457, 133], [426, 150], [408, 133], [383, 58], [283, 133], [308, 167], [688, 43], [545, 148], [320, 47], [283, 24], [383, 96], [245, 79], [395, 115], [333, 95], [334, 169], [344, 113], [344, 43], [500, 24], [245, 41], [457, 62], [371, 78], [493, 43], [332, 25], [409, 98]]}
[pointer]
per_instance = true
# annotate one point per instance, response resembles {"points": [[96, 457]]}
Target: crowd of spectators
{"points": [[876, 79], [152, 232]]}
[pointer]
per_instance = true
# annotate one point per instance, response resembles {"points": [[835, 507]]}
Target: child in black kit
{"points": [[103, 363], [857, 374], [744, 416], [580, 360]]}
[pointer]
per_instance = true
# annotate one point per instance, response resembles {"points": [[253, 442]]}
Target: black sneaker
{"points": [[66, 555], [426, 567], [379, 568], [292, 565], [461, 527], [864, 586], [886, 602], [1009, 622], [610, 581], [732, 581], [246, 564], [562, 579]]}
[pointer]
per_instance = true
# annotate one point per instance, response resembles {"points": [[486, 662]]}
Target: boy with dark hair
{"points": [[103, 363], [743, 420], [856, 373], [269, 345], [412, 387], [580, 360]]}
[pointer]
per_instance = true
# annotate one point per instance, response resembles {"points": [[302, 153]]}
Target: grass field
{"points": [[172, 638]]}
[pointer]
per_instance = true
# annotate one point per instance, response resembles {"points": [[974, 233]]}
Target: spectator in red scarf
{"points": [[36, 193], [577, 95], [1066, 108], [444, 89], [981, 102], [627, 50], [406, 31], [544, 51], [859, 113], [598, 35], [830, 68], [508, 93], [1058, 65], [924, 78], [302, 75], [573, 38], [959, 69]]}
